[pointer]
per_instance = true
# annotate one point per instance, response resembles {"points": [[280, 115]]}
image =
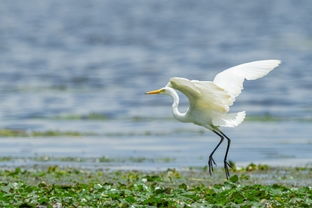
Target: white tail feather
{"points": [[229, 120]]}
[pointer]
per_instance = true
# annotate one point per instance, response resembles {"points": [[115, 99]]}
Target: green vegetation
{"points": [[90, 116], [56, 133], [102, 159], [103, 117], [271, 118], [250, 167], [265, 118], [50, 133], [67, 187]]}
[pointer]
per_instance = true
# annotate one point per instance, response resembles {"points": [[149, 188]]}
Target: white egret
{"points": [[210, 101]]}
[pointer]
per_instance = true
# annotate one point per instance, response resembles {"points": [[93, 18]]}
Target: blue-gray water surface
{"points": [[61, 59]]}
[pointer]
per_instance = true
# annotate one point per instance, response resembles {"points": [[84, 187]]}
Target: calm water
{"points": [[75, 57]]}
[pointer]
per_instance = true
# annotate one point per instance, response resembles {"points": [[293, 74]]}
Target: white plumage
{"points": [[232, 79], [210, 101]]}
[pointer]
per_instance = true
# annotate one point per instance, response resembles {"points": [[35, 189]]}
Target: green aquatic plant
{"points": [[90, 116], [272, 118], [55, 133], [103, 159], [251, 167], [5, 159], [264, 118], [49, 133], [12, 133], [67, 187]]}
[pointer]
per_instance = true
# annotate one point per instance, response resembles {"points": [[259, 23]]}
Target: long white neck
{"points": [[176, 113]]}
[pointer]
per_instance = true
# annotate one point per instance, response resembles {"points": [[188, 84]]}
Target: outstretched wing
{"points": [[203, 94], [232, 79]]}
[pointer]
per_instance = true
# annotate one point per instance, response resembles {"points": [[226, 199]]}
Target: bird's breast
{"points": [[200, 117]]}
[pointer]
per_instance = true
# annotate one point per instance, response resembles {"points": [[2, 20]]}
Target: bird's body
{"points": [[210, 101], [208, 110]]}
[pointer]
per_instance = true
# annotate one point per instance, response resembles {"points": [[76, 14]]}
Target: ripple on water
{"points": [[84, 67]]}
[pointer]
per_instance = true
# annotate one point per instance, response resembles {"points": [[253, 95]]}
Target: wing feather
{"points": [[203, 94], [215, 98], [185, 86], [232, 79]]}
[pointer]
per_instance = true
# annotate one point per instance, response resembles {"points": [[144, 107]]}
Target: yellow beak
{"points": [[155, 92]]}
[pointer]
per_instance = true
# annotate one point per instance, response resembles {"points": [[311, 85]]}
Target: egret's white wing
{"points": [[203, 95], [185, 86], [231, 80], [213, 96]]}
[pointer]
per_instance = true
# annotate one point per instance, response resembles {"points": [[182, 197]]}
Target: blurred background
{"points": [[73, 75]]}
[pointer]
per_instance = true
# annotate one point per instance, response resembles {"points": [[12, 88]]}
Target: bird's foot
{"points": [[211, 163], [226, 169]]}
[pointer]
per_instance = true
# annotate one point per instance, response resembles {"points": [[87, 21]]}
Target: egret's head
{"points": [[167, 90]]}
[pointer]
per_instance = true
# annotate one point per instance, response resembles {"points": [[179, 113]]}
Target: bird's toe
{"points": [[211, 163], [226, 169]]}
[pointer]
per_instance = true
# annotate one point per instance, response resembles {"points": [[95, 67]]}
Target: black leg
{"points": [[226, 164], [211, 161]]}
